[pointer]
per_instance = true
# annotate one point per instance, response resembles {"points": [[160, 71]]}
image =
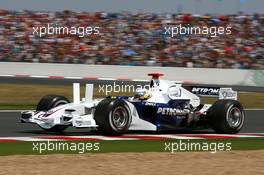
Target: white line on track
{"points": [[126, 137], [7, 75], [11, 111], [39, 76], [170, 136], [254, 109], [73, 77], [106, 79]]}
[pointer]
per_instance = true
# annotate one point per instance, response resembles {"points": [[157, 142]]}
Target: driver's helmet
{"points": [[142, 94], [157, 82]]}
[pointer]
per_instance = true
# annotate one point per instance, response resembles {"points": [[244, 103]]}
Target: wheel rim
{"points": [[120, 117], [234, 117]]}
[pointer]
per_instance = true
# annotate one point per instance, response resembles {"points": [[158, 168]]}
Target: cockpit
{"points": [[145, 94]]}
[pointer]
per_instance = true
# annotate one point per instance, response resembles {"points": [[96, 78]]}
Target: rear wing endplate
{"points": [[221, 93]]}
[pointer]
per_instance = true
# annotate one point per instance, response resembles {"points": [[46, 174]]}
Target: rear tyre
{"points": [[227, 116], [48, 102], [112, 116]]}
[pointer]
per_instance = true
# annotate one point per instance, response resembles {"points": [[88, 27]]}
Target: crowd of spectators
{"points": [[133, 39]]}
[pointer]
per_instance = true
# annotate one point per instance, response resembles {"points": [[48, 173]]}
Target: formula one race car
{"points": [[166, 105]]}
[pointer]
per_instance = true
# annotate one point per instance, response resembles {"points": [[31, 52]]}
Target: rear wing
{"points": [[221, 93]]}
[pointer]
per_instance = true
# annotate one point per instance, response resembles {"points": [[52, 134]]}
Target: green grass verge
{"points": [[19, 96], [17, 106], [26, 148]]}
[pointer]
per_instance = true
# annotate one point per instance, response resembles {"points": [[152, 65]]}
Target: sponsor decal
{"points": [[150, 104], [172, 111], [227, 93], [205, 91], [174, 92]]}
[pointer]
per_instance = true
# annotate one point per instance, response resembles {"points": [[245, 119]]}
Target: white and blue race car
{"points": [[166, 105]]}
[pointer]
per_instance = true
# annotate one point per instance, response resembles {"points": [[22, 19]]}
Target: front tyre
{"points": [[113, 116], [227, 116], [51, 101], [48, 102]]}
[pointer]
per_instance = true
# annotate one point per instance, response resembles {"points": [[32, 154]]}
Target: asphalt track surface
{"points": [[11, 127]]}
